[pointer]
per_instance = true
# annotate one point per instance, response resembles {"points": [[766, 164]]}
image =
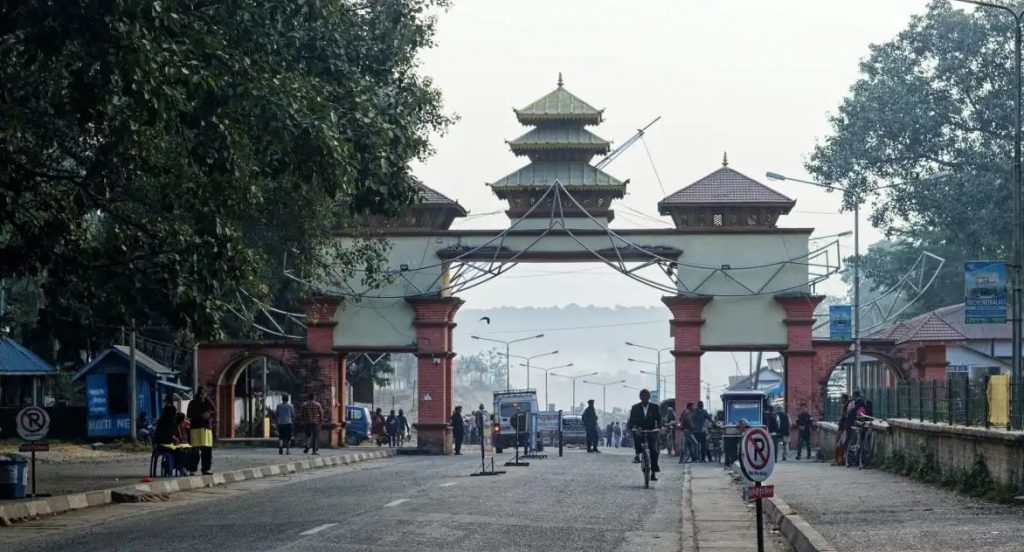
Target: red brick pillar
{"points": [[800, 381], [931, 362], [687, 319], [324, 360], [434, 325]]}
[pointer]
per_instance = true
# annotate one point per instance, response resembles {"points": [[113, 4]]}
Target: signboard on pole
{"points": [[840, 322], [33, 423], [755, 492], [757, 454], [488, 441], [985, 292], [547, 421]]}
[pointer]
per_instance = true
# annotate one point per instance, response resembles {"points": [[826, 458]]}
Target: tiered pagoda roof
{"points": [[560, 148]]}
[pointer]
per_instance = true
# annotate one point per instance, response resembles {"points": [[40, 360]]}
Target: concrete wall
{"points": [[734, 318], [955, 446]]}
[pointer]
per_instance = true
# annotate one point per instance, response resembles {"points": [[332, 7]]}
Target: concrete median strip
{"points": [[161, 488], [800, 535]]}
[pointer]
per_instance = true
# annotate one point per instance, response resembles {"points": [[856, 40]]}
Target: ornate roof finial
{"points": [[725, 159], [560, 83]]}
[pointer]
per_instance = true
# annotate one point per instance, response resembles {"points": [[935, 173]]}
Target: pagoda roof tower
{"points": [[560, 148]]}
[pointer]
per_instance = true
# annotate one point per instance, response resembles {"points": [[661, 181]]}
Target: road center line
{"points": [[396, 502], [449, 484], [317, 529]]}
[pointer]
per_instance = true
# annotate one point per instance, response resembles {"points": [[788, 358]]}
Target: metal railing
{"points": [[959, 401]]}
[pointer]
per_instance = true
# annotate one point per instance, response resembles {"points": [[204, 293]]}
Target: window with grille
{"points": [[718, 219]]}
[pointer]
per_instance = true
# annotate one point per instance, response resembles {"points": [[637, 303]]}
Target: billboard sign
{"points": [[985, 292], [840, 322]]}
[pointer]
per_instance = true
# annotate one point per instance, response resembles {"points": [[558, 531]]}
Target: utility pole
{"points": [[132, 386]]}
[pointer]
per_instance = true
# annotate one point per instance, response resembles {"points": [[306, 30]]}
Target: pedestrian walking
{"points": [[608, 435], [803, 425], [312, 418], [701, 418], [285, 415], [590, 425], [784, 430], [689, 447], [839, 453], [201, 413], [458, 429], [403, 427], [670, 426], [391, 426], [617, 434], [378, 428]]}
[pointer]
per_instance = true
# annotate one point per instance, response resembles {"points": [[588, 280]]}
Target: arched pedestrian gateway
{"points": [[731, 278]]}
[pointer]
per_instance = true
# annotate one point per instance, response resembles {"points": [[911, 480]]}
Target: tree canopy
{"points": [[938, 97], [159, 158]]}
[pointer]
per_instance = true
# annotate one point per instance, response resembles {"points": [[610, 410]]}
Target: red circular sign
{"points": [[757, 454], [33, 423]]}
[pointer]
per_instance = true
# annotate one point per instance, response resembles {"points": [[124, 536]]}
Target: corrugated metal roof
{"points": [[559, 104], [570, 173], [141, 360], [726, 187], [16, 360]]}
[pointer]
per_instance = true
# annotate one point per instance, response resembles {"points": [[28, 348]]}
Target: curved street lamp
{"points": [[507, 344]]}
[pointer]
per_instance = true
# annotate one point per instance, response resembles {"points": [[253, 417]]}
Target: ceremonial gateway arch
{"points": [[732, 279]]}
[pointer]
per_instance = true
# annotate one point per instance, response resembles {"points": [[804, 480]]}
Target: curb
{"points": [[797, 531], [158, 490]]}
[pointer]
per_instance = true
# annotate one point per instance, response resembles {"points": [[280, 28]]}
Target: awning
{"points": [[777, 390], [187, 391]]}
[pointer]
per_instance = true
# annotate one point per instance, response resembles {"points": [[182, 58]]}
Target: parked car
{"points": [[358, 418]]}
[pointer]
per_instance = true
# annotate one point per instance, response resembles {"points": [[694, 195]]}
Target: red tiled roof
{"points": [[727, 187]]}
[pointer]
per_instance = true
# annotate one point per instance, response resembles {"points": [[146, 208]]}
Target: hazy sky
{"points": [[754, 78], [757, 79]]}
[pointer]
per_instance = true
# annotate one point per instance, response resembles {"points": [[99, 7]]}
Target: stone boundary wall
{"points": [[955, 446]]}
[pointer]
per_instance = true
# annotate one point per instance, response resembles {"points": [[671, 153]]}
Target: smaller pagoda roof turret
{"points": [[726, 198]]}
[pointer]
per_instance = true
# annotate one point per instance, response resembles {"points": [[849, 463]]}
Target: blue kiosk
{"points": [[107, 394]]}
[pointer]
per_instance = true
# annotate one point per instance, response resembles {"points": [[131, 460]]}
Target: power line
{"points": [[572, 328], [653, 166]]}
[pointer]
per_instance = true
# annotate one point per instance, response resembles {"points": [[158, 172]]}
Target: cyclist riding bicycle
{"points": [[647, 417]]}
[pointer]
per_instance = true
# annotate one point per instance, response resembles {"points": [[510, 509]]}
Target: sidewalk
{"points": [[857, 510], [61, 474], [715, 518]]}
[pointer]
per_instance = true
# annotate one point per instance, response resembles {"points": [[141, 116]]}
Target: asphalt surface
{"points": [[585, 502], [871, 510]]}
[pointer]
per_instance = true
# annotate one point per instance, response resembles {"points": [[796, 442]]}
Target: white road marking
{"points": [[396, 502], [449, 484], [317, 529]]}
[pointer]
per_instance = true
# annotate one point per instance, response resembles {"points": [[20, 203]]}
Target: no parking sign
{"points": [[757, 454]]}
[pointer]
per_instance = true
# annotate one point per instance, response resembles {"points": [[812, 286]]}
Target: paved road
{"points": [[580, 502], [859, 510]]}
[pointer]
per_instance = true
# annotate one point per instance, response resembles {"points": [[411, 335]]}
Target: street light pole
{"points": [[604, 394], [546, 372], [528, 359], [657, 351], [574, 378], [508, 356], [1017, 386]]}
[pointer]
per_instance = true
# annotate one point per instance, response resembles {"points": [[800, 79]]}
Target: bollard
{"points": [[560, 442]]}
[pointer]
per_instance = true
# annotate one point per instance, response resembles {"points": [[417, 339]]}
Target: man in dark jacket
{"points": [[645, 416], [804, 422], [458, 429], [590, 424], [784, 428]]}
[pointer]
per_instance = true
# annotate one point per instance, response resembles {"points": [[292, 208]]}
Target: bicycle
{"points": [[645, 454], [861, 448]]}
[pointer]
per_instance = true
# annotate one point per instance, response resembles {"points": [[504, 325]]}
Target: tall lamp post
{"points": [[528, 359], [574, 378], [664, 380], [546, 372], [507, 344], [658, 379], [1017, 387], [604, 394], [856, 245], [658, 365]]}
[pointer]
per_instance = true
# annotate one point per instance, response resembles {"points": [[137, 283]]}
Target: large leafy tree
{"points": [[159, 158], [938, 97]]}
